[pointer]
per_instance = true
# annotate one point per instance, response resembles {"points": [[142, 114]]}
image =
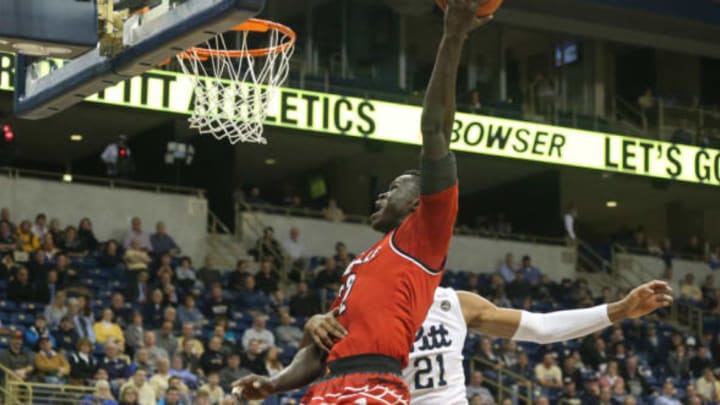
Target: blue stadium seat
{"points": [[22, 318], [8, 306]]}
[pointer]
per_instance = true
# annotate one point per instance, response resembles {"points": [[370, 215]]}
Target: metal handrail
{"points": [[500, 387], [591, 258], [242, 210], [18, 392], [15, 173], [688, 315], [299, 212]]}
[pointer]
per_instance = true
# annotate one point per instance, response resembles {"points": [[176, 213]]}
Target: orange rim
{"points": [[251, 25]]}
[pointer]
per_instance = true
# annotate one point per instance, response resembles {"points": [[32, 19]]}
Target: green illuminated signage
{"points": [[349, 116]]}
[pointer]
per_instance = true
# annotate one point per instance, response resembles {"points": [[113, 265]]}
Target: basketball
{"points": [[489, 7]]}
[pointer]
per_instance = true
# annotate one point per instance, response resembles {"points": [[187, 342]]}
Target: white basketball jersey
{"points": [[435, 373]]}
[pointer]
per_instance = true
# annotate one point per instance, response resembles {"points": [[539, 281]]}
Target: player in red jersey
{"points": [[387, 291]]}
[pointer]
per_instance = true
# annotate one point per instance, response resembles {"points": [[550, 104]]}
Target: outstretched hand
{"points": [[461, 17], [253, 387], [646, 298], [325, 329]]}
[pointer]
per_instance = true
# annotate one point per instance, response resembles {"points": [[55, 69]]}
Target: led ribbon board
{"points": [[349, 116]]}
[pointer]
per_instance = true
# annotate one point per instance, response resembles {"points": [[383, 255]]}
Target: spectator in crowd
{"points": [[5, 218], [52, 366], [153, 310], [272, 361], [570, 396], [134, 332], [135, 233], [146, 395], [83, 364], [8, 243], [707, 386], [329, 276], [232, 372], [20, 289], [122, 313], [570, 368], [55, 312], [105, 329], [67, 275], [162, 243], [190, 357], [519, 288], [139, 291], [111, 255], [188, 337], [101, 396], [216, 305], [487, 353], [333, 212], [476, 388], [72, 244], [287, 333], [38, 266], [251, 299], [212, 359], [46, 289], [342, 256], [700, 361], [83, 317], [267, 279], [54, 230], [695, 248], [690, 290], [259, 333], [40, 228], [154, 351], [678, 363], [293, 247], [26, 238], [37, 332], [136, 259], [612, 375], [129, 396], [547, 373], [507, 269], [165, 337], [635, 382], [569, 221], [179, 370], [15, 358], [188, 312], [236, 279], [86, 235], [118, 368], [668, 395], [117, 158], [161, 378], [532, 273], [304, 303], [254, 197], [66, 336], [253, 358], [141, 360], [186, 277], [171, 396], [209, 275], [182, 389], [267, 246], [227, 338], [213, 387]]}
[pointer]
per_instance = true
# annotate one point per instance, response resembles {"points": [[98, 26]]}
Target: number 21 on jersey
{"points": [[429, 372]]}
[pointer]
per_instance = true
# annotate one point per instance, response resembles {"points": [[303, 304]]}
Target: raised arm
{"points": [[483, 316], [439, 106]]}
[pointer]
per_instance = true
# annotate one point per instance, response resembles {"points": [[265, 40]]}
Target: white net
{"points": [[232, 88]]}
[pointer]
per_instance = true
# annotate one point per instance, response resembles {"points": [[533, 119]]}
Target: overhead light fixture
{"points": [[76, 137], [67, 178], [611, 204], [270, 161]]}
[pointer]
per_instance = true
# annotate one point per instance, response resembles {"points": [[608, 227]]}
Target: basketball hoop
{"points": [[232, 88]]}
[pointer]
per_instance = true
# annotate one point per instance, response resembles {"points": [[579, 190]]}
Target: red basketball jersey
{"points": [[386, 291]]}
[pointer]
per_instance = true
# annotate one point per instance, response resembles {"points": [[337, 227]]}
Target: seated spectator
{"points": [[507, 269], [134, 332], [668, 395], [714, 258], [272, 362], [228, 339], [695, 248], [267, 279], [135, 233], [329, 275], [141, 360], [267, 246], [707, 386], [213, 388], [165, 284], [171, 397], [49, 247], [50, 365], [153, 310], [476, 388], [54, 230], [136, 259], [259, 333], [154, 351], [166, 339], [146, 395], [304, 303], [123, 313], [250, 299], [161, 379], [8, 243], [519, 288], [333, 212], [678, 363], [532, 273], [233, 371], [140, 290], [212, 359], [209, 275], [102, 395], [18, 360], [55, 312], [67, 275], [38, 266], [612, 375], [178, 369], [701, 360], [82, 317], [487, 353], [111, 255], [20, 289], [189, 357], [202, 397], [162, 243], [72, 244], [570, 395], [86, 236], [547, 373], [37, 332], [253, 358], [188, 312], [83, 365], [342, 256], [188, 336], [26, 238], [66, 336], [593, 351], [39, 228], [216, 305], [287, 333], [237, 277], [186, 278], [118, 368], [105, 329], [46, 290], [293, 247], [183, 390], [690, 290], [635, 381], [129, 396]]}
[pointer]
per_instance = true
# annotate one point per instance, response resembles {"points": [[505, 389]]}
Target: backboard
{"points": [[98, 45]]}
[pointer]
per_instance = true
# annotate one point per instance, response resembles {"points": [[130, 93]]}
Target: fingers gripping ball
{"points": [[488, 7]]}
